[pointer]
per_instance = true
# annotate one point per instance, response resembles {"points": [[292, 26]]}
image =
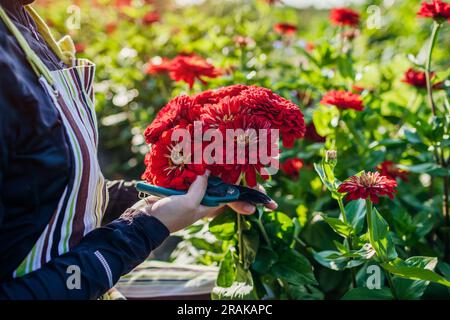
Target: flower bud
{"points": [[331, 157]]}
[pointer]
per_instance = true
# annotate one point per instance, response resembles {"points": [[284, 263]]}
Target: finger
{"points": [[141, 204], [242, 207], [197, 189], [272, 205]]}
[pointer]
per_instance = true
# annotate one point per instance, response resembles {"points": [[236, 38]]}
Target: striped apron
{"points": [[83, 202]]}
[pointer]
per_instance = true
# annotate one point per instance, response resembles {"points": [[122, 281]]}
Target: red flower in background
{"points": [[344, 17], [122, 3], [437, 9], [242, 41], [390, 170], [291, 167], [312, 135], [247, 108], [357, 89], [80, 47], [168, 166], [418, 79], [285, 28], [188, 68], [368, 185], [343, 100], [158, 65], [151, 17], [310, 46], [111, 27]]}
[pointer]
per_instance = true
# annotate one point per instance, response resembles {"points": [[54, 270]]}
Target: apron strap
{"points": [[36, 63], [45, 32]]}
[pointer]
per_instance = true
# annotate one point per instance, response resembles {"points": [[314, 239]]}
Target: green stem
{"points": [[341, 207], [283, 284], [391, 284], [441, 161], [369, 218], [240, 244], [433, 38], [264, 232], [349, 239], [243, 62]]}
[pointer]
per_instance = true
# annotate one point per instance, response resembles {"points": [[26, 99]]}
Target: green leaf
{"points": [[326, 174], [250, 239], [226, 275], [293, 268], [279, 225], [304, 293], [380, 237], [224, 225], [356, 212], [265, 259], [339, 226], [368, 294], [331, 259], [430, 168], [321, 172], [406, 289], [322, 118], [233, 282]]}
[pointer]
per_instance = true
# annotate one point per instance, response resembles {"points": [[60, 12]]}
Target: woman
{"points": [[53, 196]]}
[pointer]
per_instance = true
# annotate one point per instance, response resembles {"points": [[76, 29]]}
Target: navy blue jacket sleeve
{"points": [[99, 260]]}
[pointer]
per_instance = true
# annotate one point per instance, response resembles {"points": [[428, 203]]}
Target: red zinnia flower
{"points": [[437, 9], [343, 100], [187, 68], [418, 79], [310, 46], [368, 185], [390, 170], [177, 111], [168, 166], [285, 28], [249, 111], [344, 17], [158, 65], [291, 167]]}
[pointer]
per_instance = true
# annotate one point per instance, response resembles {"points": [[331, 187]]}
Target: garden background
{"points": [[301, 61]]}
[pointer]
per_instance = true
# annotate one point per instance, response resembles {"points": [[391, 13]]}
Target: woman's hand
{"points": [[179, 212]]}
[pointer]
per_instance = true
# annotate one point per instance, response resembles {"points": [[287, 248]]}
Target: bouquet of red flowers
{"points": [[232, 131]]}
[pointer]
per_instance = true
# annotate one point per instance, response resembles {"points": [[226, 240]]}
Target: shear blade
{"points": [[253, 196]]}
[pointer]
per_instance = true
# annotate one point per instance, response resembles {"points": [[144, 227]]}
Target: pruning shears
{"points": [[217, 192]]}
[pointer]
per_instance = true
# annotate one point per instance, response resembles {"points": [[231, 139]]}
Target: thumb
{"points": [[197, 189]]}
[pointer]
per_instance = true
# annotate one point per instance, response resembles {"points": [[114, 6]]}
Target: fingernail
{"points": [[249, 208]]}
